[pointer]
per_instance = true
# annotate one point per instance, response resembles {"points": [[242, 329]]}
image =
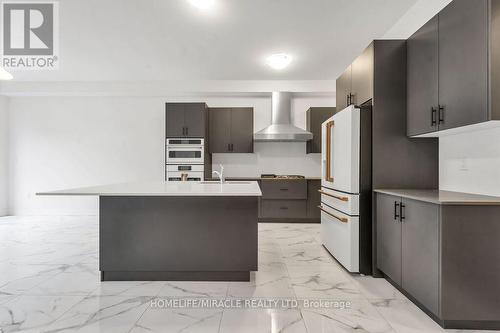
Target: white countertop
{"points": [[236, 188], [442, 197]]}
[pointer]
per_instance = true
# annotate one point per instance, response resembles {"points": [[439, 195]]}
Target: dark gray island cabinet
{"points": [[442, 250], [184, 231]]}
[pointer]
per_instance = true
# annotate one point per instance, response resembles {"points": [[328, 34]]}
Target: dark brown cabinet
{"points": [[362, 77], [420, 251], [289, 200], [442, 254], [389, 236], [315, 116], [313, 199], [408, 246], [231, 130], [422, 62], [343, 89], [355, 85], [241, 130], [220, 130], [186, 120], [453, 68], [463, 63]]}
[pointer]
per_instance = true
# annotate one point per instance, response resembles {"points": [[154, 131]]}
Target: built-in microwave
{"points": [[185, 151]]}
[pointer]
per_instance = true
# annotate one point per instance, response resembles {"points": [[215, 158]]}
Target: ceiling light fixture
{"points": [[279, 61], [4, 75], [202, 4]]}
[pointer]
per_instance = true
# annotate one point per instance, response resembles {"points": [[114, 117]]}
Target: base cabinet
{"points": [[444, 257], [389, 237], [420, 252], [408, 246], [290, 200]]}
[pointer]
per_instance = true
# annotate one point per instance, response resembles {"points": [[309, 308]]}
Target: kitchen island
{"points": [[184, 231]]}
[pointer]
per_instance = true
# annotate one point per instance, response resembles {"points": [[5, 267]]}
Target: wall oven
{"points": [[185, 151], [185, 159]]}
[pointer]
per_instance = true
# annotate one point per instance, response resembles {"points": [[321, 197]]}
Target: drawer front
{"points": [[284, 189], [283, 209], [340, 235], [185, 167], [346, 203], [191, 176]]}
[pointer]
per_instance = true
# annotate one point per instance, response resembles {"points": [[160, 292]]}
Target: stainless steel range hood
{"points": [[281, 128]]}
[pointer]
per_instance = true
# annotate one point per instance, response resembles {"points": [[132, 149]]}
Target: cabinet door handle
{"points": [[396, 210], [347, 99], [441, 114], [341, 219], [402, 212], [284, 208], [433, 116], [228, 147], [187, 131], [283, 189], [334, 196], [232, 147]]}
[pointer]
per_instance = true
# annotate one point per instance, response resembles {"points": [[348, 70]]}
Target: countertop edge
{"points": [[428, 197]]}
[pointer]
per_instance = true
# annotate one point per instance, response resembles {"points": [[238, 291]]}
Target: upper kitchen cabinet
{"points": [[463, 63], [453, 68], [231, 130], [355, 85], [186, 120], [378, 85], [422, 62], [362, 77], [315, 116], [343, 90]]}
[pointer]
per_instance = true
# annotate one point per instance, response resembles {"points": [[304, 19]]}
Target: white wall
{"points": [[3, 155], [65, 142], [470, 162]]}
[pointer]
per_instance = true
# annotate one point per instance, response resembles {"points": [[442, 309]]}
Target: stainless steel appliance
{"points": [[185, 159], [346, 188], [281, 128]]}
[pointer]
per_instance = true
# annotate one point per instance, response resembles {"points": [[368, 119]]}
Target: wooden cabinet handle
{"points": [[328, 175], [341, 219], [334, 196]]}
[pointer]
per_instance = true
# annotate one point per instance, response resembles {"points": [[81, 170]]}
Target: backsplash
{"points": [[270, 157], [470, 162]]}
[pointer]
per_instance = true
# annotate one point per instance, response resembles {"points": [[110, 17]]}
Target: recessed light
{"points": [[4, 75], [202, 4], [279, 61]]}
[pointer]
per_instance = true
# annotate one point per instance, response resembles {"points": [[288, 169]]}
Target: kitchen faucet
{"points": [[220, 173]]}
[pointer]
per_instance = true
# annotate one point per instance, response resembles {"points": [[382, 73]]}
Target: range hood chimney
{"points": [[281, 128]]}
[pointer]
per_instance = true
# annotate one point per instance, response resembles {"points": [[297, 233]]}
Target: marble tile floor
{"points": [[49, 282]]}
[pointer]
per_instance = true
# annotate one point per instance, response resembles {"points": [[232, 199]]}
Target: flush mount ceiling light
{"points": [[202, 4], [279, 61], [4, 75]]}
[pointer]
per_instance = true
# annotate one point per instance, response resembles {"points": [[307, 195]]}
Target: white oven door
{"points": [[185, 155], [194, 176], [340, 151]]}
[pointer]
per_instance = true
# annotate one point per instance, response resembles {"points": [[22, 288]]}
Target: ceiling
{"points": [[111, 40]]}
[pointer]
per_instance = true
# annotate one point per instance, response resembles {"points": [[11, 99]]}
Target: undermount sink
{"points": [[225, 183]]}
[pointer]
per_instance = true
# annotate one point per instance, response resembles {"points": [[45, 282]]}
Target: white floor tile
{"points": [[262, 320]]}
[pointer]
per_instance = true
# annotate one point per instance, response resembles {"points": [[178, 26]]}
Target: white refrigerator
{"points": [[345, 191]]}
